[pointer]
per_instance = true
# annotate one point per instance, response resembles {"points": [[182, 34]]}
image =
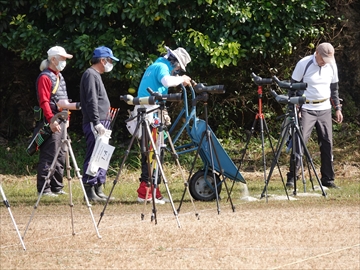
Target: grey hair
{"points": [[44, 64]]}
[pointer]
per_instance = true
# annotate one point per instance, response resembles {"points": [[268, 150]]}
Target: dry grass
{"points": [[311, 232]]}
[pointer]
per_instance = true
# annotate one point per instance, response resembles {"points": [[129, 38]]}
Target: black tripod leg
{"points": [[211, 146], [191, 171], [119, 172], [274, 162], [186, 184], [221, 172], [244, 151], [272, 148], [307, 154], [310, 175]]}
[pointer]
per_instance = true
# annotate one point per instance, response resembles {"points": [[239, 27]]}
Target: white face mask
{"points": [[108, 67], [61, 65]]}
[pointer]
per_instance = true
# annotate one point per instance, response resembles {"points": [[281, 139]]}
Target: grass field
{"points": [[308, 231]]}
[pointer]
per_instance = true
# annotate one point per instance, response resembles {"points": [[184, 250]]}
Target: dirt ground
{"points": [[277, 234]]}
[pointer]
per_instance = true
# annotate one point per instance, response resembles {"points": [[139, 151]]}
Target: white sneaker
{"points": [[163, 199], [48, 194], [60, 192], [141, 200]]}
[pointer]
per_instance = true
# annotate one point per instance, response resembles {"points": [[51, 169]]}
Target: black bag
{"points": [[41, 133]]}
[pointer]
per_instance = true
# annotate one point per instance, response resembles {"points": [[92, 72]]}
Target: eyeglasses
{"points": [[108, 59]]}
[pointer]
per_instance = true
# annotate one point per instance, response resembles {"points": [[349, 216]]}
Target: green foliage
{"points": [[227, 40], [219, 33]]}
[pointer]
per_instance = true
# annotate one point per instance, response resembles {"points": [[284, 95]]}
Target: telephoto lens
{"points": [[261, 81], [211, 89]]}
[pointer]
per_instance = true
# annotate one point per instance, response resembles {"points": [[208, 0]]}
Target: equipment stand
{"points": [[259, 117], [63, 116], [146, 136], [7, 204], [207, 136], [291, 125], [161, 148]]}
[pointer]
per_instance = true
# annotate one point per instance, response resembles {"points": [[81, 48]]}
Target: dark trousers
{"points": [[48, 151], [90, 137], [322, 122], [144, 177]]}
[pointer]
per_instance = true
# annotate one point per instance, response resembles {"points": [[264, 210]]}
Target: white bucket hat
{"points": [[181, 55]]}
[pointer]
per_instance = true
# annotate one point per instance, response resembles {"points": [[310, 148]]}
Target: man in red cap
{"points": [[320, 73]]}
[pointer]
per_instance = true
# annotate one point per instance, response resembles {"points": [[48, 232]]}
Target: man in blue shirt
{"points": [[159, 77]]}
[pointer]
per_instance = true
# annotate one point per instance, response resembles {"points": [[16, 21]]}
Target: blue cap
{"points": [[103, 52]]}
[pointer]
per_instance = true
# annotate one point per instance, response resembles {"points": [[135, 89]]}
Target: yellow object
{"points": [[131, 90], [128, 65]]}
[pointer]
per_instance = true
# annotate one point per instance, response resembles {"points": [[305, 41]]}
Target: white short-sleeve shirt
{"points": [[318, 81]]}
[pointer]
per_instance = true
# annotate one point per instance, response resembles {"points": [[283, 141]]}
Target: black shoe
{"points": [[289, 184], [330, 185], [91, 195], [100, 193]]}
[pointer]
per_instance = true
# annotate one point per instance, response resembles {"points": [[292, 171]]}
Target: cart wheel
{"points": [[203, 189]]}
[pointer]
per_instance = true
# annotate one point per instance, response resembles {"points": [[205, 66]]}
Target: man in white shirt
{"points": [[320, 73]]}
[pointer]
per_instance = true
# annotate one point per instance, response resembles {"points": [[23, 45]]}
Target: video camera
{"points": [[153, 99], [212, 89]]}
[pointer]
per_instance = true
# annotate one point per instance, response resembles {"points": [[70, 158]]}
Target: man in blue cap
{"points": [[95, 112]]}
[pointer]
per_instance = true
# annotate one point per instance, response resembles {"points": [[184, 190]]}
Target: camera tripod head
{"points": [[61, 116]]}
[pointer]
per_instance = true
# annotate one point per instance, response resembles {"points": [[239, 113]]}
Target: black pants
{"points": [[48, 151]]}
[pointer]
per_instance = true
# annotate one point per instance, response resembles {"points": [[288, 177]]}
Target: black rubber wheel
{"points": [[202, 188]]}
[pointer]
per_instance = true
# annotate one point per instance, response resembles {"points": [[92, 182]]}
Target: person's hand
{"points": [[166, 118], [100, 129], [187, 80], [55, 127], [339, 116]]}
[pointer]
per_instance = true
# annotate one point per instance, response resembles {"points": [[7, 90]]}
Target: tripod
{"points": [[203, 96], [7, 204], [146, 137], [261, 118], [66, 145], [291, 126]]}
